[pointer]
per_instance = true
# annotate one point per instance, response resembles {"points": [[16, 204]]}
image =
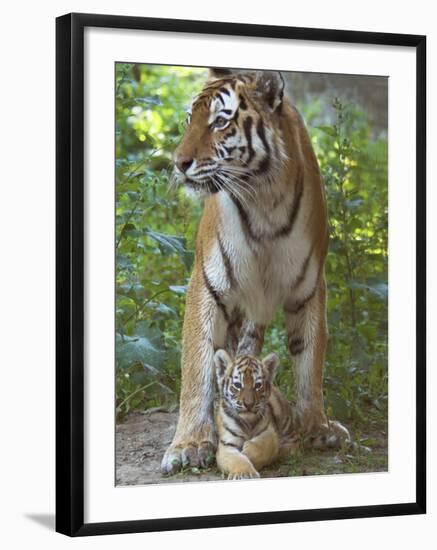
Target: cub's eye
{"points": [[258, 385], [237, 385], [220, 121]]}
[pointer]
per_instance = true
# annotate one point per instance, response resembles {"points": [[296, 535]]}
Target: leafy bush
{"points": [[155, 230]]}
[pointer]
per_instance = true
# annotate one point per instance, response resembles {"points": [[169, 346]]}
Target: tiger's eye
{"points": [[237, 385], [220, 121], [258, 385]]}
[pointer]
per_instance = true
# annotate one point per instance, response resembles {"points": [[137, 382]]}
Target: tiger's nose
{"points": [[183, 163], [249, 405]]}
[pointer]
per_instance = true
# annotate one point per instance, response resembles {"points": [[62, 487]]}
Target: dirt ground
{"points": [[141, 441]]}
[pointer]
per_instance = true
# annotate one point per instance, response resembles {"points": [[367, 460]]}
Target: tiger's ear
{"points": [[270, 364], [219, 72], [222, 362], [270, 86]]}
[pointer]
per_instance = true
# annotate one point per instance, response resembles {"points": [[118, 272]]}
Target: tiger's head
{"points": [[232, 135], [245, 382]]}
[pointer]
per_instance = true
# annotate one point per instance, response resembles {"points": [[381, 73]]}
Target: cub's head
{"points": [[232, 135], [245, 382]]}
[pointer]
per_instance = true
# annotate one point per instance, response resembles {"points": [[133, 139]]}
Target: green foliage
{"points": [[355, 171], [155, 231]]}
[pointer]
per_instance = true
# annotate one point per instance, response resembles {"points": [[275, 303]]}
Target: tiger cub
{"points": [[254, 420]]}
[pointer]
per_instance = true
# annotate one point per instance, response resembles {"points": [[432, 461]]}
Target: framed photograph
{"points": [[240, 274]]}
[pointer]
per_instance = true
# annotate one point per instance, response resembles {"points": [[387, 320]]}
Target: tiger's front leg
{"points": [[194, 442], [263, 449], [307, 341], [235, 464]]}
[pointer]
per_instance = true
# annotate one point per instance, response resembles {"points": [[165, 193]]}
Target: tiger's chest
{"points": [[259, 274], [266, 280]]}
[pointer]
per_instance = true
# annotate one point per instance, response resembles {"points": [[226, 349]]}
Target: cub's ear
{"points": [[270, 364], [219, 72], [222, 362], [270, 86]]}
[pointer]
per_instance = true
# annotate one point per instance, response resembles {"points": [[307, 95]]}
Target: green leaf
{"points": [[353, 204], [171, 244], [165, 309], [380, 290], [149, 100], [144, 347], [178, 289]]}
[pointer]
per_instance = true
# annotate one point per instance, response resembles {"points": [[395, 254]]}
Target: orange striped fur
{"points": [[261, 245], [254, 420]]}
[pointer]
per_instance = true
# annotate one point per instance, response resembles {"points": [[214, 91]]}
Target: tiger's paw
{"points": [[331, 436], [250, 474], [189, 455], [240, 467], [236, 477]]}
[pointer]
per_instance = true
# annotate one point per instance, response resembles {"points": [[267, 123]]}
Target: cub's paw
{"points": [[243, 475], [240, 468], [189, 455], [333, 436]]}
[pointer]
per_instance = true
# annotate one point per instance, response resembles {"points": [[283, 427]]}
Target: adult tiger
{"points": [[261, 244]]}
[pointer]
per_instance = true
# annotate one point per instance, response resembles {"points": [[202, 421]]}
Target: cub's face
{"points": [[230, 136], [245, 383]]}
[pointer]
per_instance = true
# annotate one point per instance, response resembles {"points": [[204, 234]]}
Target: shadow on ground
{"points": [[46, 520]]}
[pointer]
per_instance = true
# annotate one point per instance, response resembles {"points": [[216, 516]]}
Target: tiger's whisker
{"points": [[244, 189], [232, 190]]}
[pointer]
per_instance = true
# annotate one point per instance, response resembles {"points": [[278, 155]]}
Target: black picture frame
{"points": [[70, 272]]}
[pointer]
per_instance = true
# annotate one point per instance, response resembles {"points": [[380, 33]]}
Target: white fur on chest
{"points": [[265, 272]]}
